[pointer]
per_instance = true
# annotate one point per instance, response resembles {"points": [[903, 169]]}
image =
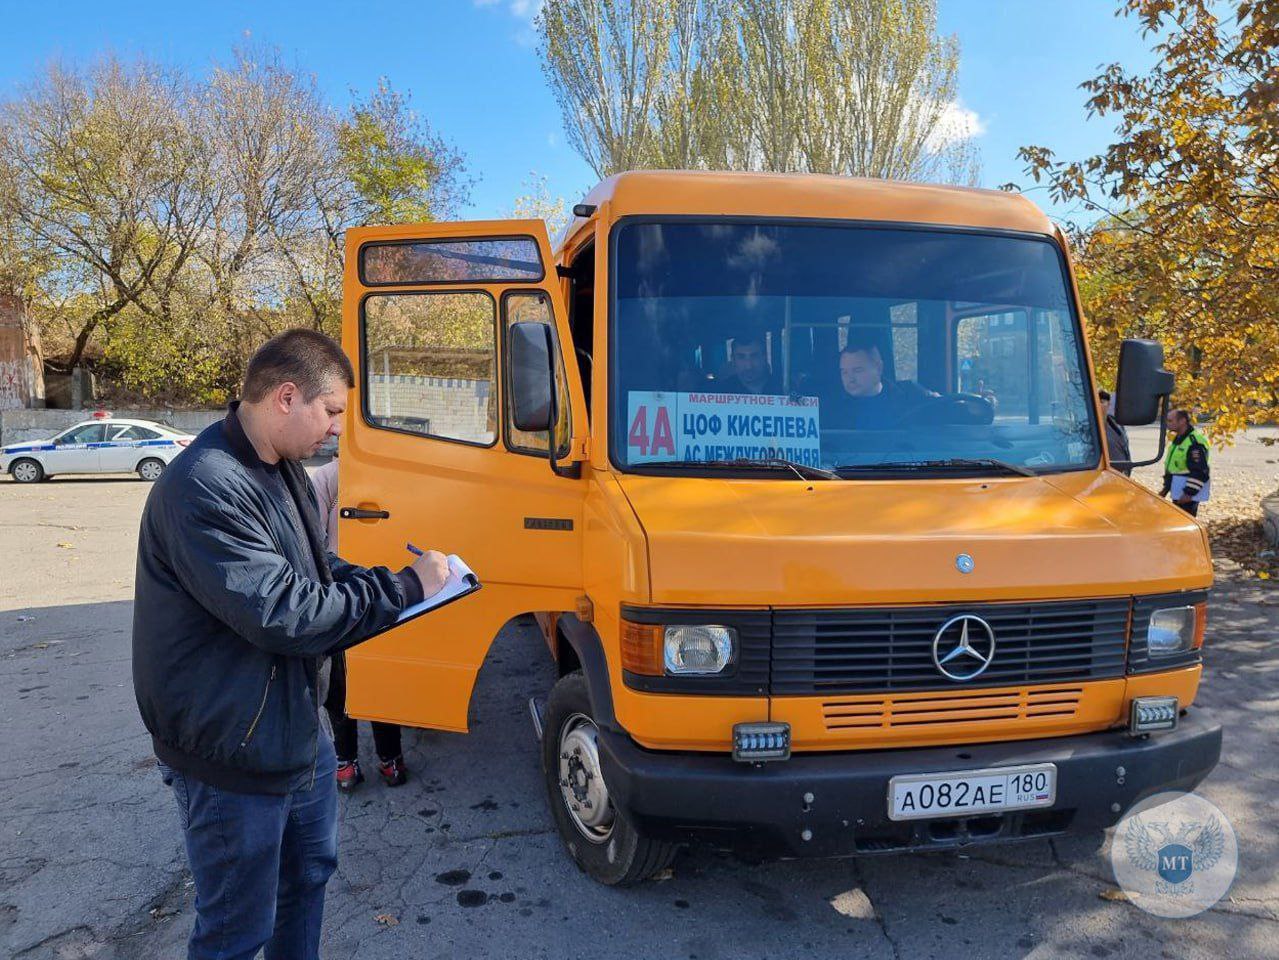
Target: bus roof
{"points": [[802, 195]]}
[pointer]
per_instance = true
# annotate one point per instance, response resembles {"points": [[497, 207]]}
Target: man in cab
{"points": [[867, 401], [751, 371]]}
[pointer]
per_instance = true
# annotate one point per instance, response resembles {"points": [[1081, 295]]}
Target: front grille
{"points": [[891, 648], [940, 710]]}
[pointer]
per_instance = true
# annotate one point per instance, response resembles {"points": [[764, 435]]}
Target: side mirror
{"points": [[1143, 385], [532, 376]]}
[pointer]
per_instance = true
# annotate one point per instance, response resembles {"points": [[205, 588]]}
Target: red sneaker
{"points": [[348, 775], [393, 772]]}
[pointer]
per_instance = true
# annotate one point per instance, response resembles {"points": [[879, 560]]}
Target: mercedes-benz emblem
{"points": [[970, 646]]}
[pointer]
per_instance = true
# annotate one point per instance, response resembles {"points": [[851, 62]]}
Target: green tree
{"points": [[172, 223], [103, 172], [536, 203], [1187, 247], [399, 169]]}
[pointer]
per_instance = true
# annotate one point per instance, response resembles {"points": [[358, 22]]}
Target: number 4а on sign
{"points": [[650, 437]]}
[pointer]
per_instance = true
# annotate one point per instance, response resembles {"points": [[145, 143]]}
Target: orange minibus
{"points": [[805, 481]]}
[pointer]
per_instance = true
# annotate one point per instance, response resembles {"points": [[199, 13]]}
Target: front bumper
{"points": [[763, 808]]}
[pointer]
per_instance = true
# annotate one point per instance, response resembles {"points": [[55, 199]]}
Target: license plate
{"points": [[913, 796]]}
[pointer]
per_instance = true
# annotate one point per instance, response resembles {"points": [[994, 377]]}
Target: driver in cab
{"points": [[867, 402]]}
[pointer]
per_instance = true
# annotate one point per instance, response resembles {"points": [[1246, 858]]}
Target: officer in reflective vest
{"points": [[1188, 458]]}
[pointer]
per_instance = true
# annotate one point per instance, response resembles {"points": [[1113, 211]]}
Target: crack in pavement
{"points": [[504, 834], [880, 920], [81, 928]]}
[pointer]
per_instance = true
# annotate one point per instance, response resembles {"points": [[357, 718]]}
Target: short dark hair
{"points": [[747, 338], [862, 341], [305, 357], [1183, 414]]}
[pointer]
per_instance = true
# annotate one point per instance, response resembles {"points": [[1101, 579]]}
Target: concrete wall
{"points": [[19, 425], [452, 406]]}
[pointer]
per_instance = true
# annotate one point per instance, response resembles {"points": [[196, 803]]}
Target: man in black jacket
{"points": [[236, 603]]}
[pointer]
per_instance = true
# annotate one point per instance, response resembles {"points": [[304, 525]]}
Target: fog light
{"points": [[753, 742], [1149, 714]]}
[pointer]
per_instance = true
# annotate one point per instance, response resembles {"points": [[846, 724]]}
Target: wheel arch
{"points": [[579, 647]]}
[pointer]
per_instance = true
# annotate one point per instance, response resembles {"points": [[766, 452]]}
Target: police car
{"points": [[101, 445]]}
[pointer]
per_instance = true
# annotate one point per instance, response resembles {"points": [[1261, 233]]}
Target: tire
{"points": [[150, 469], [600, 839], [26, 470]]}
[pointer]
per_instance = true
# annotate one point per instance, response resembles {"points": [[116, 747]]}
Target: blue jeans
{"points": [[260, 863]]}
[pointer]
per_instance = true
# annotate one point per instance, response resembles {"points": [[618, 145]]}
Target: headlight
{"points": [[1171, 631], [698, 649]]}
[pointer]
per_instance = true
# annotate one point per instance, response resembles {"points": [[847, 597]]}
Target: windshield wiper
{"points": [[801, 470], [950, 463]]}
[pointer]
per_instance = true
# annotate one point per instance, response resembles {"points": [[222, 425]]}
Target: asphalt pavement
{"points": [[463, 860]]}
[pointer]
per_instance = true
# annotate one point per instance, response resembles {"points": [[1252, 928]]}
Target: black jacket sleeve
{"points": [[235, 571], [344, 569]]}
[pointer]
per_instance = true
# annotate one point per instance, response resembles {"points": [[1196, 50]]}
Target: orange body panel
{"points": [[705, 542], [458, 498]]}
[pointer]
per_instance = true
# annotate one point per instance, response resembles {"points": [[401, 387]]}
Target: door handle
{"points": [[358, 513]]}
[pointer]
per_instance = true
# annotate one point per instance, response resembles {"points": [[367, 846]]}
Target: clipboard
{"points": [[1179, 489], [462, 582]]}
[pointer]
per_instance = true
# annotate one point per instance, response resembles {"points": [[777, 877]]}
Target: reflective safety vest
{"points": [[1175, 462]]}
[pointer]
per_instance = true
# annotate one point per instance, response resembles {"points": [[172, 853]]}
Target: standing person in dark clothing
{"points": [[1188, 459], [236, 603], [1116, 436], [386, 736]]}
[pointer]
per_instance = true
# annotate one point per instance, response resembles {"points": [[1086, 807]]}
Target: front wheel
{"points": [[27, 471], [150, 469], [599, 838]]}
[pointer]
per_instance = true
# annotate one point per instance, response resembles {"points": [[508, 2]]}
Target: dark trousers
{"points": [[1191, 508], [260, 863], [386, 736]]}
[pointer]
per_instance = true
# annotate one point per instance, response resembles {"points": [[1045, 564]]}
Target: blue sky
{"points": [[473, 69]]}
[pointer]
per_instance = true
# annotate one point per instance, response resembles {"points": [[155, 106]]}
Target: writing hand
{"points": [[432, 569]]}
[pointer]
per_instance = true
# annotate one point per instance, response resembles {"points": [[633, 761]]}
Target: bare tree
{"points": [[175, 222], [101, 167], [853, 87], [267, 123], [606, 60], [887, 56]]}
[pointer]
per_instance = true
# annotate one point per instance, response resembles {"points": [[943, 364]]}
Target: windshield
{"points": [[857, 349]]}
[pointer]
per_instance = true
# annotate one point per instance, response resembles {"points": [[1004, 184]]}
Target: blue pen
{"points": [[414, 550]]}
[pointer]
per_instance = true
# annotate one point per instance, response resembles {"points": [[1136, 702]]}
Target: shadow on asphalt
{"points": [[465, 854]]}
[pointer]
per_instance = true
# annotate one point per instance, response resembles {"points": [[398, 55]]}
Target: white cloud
{"points": [[956, 123], [520, 9], [526, 9]]}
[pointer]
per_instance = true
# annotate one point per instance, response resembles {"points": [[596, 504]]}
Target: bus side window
{"points": [[581, 314]]}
